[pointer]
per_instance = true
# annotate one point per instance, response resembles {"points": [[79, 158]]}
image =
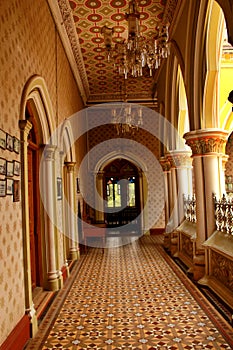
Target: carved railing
{"points": [[190, 208], [224, 214]]}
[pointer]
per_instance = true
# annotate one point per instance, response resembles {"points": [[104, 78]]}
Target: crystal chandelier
{"points": [[127, 118], [131, 55]]}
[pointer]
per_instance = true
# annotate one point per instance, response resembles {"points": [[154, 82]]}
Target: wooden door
{"points": [[34, 216]]}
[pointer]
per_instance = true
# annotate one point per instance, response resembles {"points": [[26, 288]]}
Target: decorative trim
{"points": [[204, 142], [68, 24], [19, 335]]}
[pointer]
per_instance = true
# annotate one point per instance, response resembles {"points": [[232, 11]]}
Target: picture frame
{"points": [[9, 168], [59, 188], [16, 145], [16, 191], [16, 168], [9, 142], [2, 188], [2, 139], [2, 166], [9, 186]]}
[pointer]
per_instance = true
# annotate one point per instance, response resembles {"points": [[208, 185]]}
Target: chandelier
{"points": [[127, 118], [131, 55]]}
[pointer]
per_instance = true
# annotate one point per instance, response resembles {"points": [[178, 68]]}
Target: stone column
{"points": [[183, 163], [208, 150], [49, 193], [65, 267], [173, 219], [166, 166], [25, 127], [166, 169], [99, 200], [71, 211]]}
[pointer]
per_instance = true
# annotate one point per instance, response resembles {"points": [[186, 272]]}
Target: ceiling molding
{"points": [[63, 18]]}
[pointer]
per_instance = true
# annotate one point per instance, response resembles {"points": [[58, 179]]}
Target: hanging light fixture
{"points": [[127, 119], [131, 55]]}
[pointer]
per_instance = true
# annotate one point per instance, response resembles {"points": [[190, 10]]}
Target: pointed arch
{"points": [[213, 55], [36, 93]]}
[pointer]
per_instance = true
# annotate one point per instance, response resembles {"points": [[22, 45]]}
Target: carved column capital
{"points": [[179, 158], [49, 152], [206, 142], [70, 166], [165, 164], [25, 126]]}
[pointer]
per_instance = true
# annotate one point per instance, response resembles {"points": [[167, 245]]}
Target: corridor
{"points": [[133, 296]]}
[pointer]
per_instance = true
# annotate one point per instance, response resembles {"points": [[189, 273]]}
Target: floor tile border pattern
{"points": [[49, 320], [223, 326], [50, 317]]}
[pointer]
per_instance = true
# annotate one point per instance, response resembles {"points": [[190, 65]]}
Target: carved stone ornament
{"points": [[207, 142], [222, 269], [68, 22]]}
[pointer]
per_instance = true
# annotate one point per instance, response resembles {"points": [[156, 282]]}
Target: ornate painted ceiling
{"points": [[82, 21]]}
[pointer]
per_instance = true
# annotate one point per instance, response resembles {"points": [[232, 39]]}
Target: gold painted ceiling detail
{"points": [[83, 20]]}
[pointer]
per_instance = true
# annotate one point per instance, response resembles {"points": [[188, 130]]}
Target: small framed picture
{"points": [[9, 142], [59, 188], [2, 166], [9, 186], [16, 190], [16, 168], [2, 139], [16, 145], [9, 169], [2, 188]]}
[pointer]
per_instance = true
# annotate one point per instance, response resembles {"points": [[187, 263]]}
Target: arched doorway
{"points": [[122, 194], [34, 200]]}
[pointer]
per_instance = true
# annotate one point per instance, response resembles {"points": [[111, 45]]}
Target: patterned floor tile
{"points": [[134, 297]]}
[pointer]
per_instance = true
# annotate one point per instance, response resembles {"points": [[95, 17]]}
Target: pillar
{"points": [[25, 127], [99, 200], [49, 193], [183, 164], [166, 166], [65, 267], [208, 151], [71, 211]]}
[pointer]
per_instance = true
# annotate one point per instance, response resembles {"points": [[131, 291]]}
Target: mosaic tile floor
{"points": [[132, 297]]}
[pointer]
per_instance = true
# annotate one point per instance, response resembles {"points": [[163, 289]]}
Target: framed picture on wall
{"points": [[16, 168], [2, 139], [2, 166], [9, 186], [9, 142], [59, 188], [2, 188], [16, 145], [16, 190], [9, 168]]}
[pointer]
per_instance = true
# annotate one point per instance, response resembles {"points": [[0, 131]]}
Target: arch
{"points": [[66, 139], [109, 157], [37, 93], [213, 52], [183, 116], [37, 107]]}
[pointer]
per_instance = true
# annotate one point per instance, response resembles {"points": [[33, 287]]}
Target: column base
{"points": [[53, 281], [33, 320], [198, 266], [73, 255], [174, 244]]}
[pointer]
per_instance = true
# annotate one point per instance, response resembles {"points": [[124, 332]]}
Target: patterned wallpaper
{"points": [[28, 42]]}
